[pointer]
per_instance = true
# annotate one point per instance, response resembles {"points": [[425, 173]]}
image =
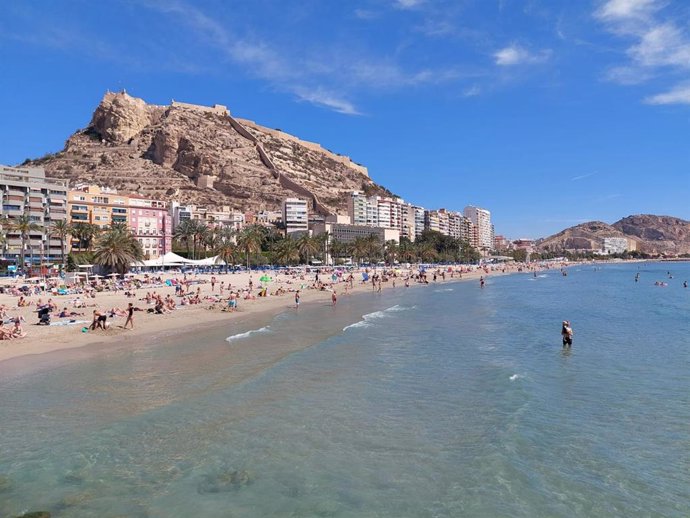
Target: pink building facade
{"points": [[151, 224]]}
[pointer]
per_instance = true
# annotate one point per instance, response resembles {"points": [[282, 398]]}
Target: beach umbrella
{"points": [[265, 278], [96, 276], [112, 274]]}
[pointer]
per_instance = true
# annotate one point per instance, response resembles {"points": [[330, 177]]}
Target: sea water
{"points": [[441, 400]]}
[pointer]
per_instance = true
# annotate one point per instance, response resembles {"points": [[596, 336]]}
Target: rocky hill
{"points": [[659, 234], [664, 235], [202, 155]]}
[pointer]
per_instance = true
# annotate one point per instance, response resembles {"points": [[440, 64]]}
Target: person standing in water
{"points": [[297, 299], [567, 334]]}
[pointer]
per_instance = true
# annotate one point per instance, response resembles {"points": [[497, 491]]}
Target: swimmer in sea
{"points": [[567, 334]]}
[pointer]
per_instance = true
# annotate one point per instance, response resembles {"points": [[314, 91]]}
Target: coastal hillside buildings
{"points": [[386, 212], [25, 191], [295, 215], [151, 224], [483, 232], [618, 245], [148, 219]]}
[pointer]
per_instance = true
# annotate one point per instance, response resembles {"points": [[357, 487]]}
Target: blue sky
{"points": [[547, 112]]}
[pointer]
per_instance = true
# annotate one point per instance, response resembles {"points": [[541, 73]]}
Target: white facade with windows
{"points": [[295, 215]]}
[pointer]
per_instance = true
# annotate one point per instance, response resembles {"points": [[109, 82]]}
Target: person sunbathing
{"points": [[17, 331], [65, 313], [5, 333], [117, 312]]}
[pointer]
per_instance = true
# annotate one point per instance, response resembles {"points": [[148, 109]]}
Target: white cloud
{"points": [[322, 97], [660, 43], [581, 177], [472, 91], [408, 4], [365, 14], [627, 75], [627, 9], [678, 95], [516, 55]]}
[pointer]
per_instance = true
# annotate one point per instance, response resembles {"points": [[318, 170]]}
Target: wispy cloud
{"points": [[408, 4], [366, 14], [678, 95], [517, 55], [659, 44], [581, 177], [472, 91], [323, 78]]}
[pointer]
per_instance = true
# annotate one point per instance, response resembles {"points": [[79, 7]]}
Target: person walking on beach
{"points": [[297, 299], [130, 316], [567, 334], [334, 298]]}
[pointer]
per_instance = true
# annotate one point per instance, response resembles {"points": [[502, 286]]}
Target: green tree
{"points": [[24, 225], [391, 251], [116, 250], [85, 233], [286, 252], [60, 229], [249, 241], [184, 233], [307, 247], [223, 245]]}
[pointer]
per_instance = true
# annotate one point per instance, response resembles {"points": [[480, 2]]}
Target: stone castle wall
{"points": [[345, 160], [218, 109]]}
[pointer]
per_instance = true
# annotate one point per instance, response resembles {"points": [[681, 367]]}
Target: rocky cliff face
{"points": [[659, 234], [171, 152], [654, 235]]}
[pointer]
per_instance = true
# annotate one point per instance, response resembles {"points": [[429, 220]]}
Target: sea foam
{"points": [[376, 315], [247, 334]]}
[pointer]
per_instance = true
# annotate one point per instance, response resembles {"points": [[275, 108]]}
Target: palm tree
{"points": [[24, 225], [391, 251], [286, 251], [60, 229], [249, 241], [360, 248], [224, 245], [85, 233], [307, 247], [374, 247], [338, 249], [185, 232], [117, 250], [200, 236], [427, 252]]}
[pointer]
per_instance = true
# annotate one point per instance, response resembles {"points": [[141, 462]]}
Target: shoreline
{"points": [[43, 340]]}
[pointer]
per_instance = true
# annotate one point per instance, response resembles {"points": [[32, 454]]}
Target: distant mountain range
{"points": [[205, 156], [664, 235]]}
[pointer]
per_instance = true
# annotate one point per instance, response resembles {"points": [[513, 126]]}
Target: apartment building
{"points": [[295, 215], [151, 223], [26, 191], [482, 237]]}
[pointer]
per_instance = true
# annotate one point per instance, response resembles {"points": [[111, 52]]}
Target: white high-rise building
{"points": [[357, 208], [295, 215], [481, 219]]}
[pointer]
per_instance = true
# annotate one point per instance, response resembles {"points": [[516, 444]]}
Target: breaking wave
{"points": [[247, 334]]}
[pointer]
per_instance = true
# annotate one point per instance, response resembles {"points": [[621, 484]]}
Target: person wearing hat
{"points": [[567, 334]]}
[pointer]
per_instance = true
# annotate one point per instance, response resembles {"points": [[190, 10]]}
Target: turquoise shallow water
{"points": [[446, 400]]}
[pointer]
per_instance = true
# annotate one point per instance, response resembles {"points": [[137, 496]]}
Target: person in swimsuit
{"points": [[567, 334]]}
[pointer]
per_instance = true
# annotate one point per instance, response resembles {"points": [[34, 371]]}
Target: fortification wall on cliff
{"points": [[345, 160]]}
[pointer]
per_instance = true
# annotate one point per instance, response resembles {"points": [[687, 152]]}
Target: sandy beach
{"points": [[66, 333]]}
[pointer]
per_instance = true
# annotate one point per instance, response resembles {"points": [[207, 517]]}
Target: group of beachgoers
{"points": [[76, 301]]}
